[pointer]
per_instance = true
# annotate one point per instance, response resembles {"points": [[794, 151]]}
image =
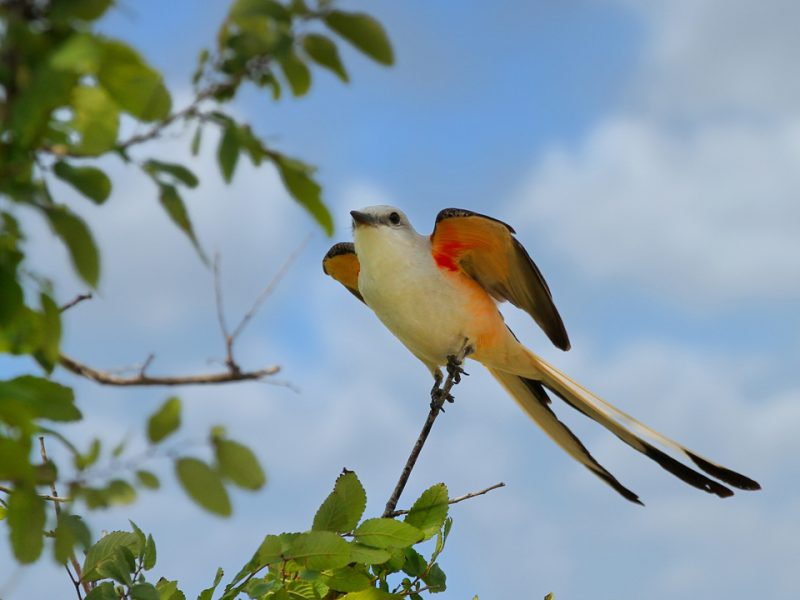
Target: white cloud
{"points": [[707, 56], [706, 216]]}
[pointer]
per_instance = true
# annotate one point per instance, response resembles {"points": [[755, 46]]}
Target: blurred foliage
{"points": [[68, 94]]}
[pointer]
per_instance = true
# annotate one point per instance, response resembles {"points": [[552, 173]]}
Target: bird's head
{"points": [[380, 226]]}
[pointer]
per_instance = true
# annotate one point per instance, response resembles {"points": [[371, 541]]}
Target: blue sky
{"points": [[646, 153]]}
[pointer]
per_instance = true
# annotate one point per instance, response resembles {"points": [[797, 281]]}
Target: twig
{"points": [[267, 291], [188, 111], [439, 395], [77, 300], [74, 561], [456, 500], [229, 361], [8, 490], [141, 378], [230, 338]]}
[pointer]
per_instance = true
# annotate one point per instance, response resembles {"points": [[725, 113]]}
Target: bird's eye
{"points": [[394, 218]]}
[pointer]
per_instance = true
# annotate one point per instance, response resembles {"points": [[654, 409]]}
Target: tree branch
{"points": [[8, 490], [230, 338], [456, 500], [439, 395], [142, 378], [77, 300], [74, 561]]}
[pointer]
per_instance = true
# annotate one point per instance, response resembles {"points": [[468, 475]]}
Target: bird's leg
{"points": [[436, 390], [439, 393]]}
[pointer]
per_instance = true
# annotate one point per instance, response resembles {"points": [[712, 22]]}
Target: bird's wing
{"points": [[341, 263], [486, 250]]}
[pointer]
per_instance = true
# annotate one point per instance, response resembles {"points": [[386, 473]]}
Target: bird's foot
{"points": [[439, 397], [454, 368]]}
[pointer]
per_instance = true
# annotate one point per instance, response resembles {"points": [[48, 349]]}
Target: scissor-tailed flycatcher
{"points": [[438, 292]]}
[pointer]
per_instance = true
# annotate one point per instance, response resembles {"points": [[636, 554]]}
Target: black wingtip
{"points": [[730, 477], [341, 248]]}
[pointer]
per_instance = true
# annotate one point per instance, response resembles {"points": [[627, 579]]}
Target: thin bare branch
{"points": [[141, 378], [8, 490], [77, 300], [267, 291], [189, 111], [223, 326], [456, 500], [439, 396], [56, 506]]}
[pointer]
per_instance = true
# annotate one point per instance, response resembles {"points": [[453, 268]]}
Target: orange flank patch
{"points": [[455, 240], [446, 254]]}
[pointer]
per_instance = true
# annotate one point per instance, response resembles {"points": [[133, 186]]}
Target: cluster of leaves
{"points": [[341, 556], [101, 481], [65, 92]]}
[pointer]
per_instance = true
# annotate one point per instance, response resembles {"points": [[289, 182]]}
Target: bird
{"points": [[440, 295]]}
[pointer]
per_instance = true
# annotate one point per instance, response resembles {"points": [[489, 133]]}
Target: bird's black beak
{"points": [[360, 218]]}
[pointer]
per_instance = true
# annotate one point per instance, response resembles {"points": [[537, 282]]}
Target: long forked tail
{"points": [[533, 399], [530, 394]]}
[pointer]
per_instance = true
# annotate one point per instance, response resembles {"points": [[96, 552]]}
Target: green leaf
{"points": [[297, 74], [119, 492], [81, 54], [144, 591], [238, 463], [166, 420], [89, 181], [387, 533], [14, 460], [196, 139], [415, 564], [208, 593], [364, 32], [179, 172], [39, 398], [259, 8], [203, 485], [371, 594], [324, 52], [139, 534], [49, 350], [11, 300], [26, 518], [228, 151], [95, 119], [149, 557], [104, 553], [104, 591], [550, 596], [342, 509], [82, 461], [272, 549], [147, 479], [436, 579], [168, 590], [430, 510], [320, 550], [84, 10], [173, 203], [348, 579], [366, 555], [78, 239], [136, 87], [296, 176]]}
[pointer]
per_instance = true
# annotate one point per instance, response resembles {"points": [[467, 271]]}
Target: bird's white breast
{"points": [[422, 305]]}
